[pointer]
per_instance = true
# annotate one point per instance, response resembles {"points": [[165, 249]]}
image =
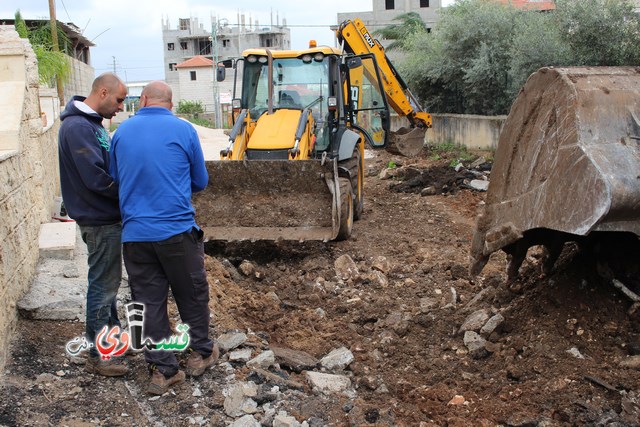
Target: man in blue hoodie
{"points": [[91, 198], [157, 161]]}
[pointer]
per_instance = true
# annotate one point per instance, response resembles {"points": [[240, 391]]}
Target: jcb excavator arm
{"points": [[358, 40]]}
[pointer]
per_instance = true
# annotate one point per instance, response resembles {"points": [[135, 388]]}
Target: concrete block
{"points": [[57, 240]]}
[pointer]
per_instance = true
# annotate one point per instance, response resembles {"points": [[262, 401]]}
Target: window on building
{"points": [[184, 24], [204, 47], [171, 46], [183, 45], [424, 3], [226, 43], [172, 66], [193, 75], [389, 4]]}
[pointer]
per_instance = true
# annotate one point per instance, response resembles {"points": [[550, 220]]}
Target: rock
{"points": [[381, 264], [247, 268], [492, 324], [575, 353], [328, 383], [71, 272], [339, 358], [294, 360], [346, 268], [475, 344], [475, 321], [238, 403], [457, 400], [484, 294], [246, 421], [272, 378], [386, 173], [284, 420], [263, 360], [428, 303], [632, 362], [196, 392], [233, 271], [477, 162], [479, 185], [231, 340], [429, 191], [376, 278], [243, 355]]}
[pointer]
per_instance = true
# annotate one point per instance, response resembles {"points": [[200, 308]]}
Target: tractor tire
{"points": [[346, 209], [356, 171]]}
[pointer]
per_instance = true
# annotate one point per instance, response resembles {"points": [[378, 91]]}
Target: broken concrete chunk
{"points": [[339, 358], [231, 340], [328, 383], [346, 268], [475, 321], [294, 360], [475, 344], [492, 324], [263, 360]]}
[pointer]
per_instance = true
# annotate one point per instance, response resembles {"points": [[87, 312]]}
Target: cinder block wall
{"points": [[471, 131], [29, 180]]}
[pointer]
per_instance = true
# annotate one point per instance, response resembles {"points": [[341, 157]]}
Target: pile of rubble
{"points": [[438, 179]]}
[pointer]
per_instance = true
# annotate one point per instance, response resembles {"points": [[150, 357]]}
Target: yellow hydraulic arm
{"points": [[356, 39]]}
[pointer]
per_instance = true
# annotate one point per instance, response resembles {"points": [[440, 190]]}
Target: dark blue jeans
{"points": [[176, 263], [105, 272]]}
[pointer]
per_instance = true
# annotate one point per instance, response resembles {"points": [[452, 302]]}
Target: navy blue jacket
{"points": [[89, 193]]}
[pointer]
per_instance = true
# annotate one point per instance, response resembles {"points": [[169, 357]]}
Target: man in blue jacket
{"points": [[157, 161], [91, 198]]}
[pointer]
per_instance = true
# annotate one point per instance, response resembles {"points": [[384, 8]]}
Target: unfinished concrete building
{"points": [[192, 39]]}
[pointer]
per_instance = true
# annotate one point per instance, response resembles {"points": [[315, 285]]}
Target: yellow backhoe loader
{"points": [[294, 165]]}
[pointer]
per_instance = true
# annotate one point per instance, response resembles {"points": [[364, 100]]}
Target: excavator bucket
{"points": [[269, 200], [406, 141], [567, 163]]}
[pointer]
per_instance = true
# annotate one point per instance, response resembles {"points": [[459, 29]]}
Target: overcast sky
{"points": [[129, 32]]}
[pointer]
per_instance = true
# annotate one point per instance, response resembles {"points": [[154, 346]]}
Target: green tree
{"points": [[51, 64], [600, 32], [407, 24], [481, 52], [189, 107], [537, 43]]}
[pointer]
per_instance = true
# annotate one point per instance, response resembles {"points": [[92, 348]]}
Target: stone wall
{"points": [[29, 178]]}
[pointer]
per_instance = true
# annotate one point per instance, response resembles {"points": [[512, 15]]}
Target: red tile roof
{"points": [[196, 61], [530, 4]]}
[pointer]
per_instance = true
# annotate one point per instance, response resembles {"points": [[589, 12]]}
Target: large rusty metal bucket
{"points": [[269, 200], [567, 162], [406, 141]]}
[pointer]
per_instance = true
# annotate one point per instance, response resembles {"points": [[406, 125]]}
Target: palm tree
{"points": [[408, 24]]}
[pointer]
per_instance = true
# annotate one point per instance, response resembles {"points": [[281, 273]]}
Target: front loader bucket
{"points": [[269, 200], [567, 163], [406, 141]]}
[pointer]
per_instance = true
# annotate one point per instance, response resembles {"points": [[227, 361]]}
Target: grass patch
{"points": [[450, 150], [201, 122]]}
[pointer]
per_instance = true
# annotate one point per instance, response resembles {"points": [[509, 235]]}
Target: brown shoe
{"points": [[196, 364], [107, 368], [159, 384]]}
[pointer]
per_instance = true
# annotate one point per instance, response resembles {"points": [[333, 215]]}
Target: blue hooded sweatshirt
{"points": [[90, 195]]}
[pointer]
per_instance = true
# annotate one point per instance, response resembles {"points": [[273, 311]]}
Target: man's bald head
{"points": [[107, 95], [157, 94], [106, 80]]}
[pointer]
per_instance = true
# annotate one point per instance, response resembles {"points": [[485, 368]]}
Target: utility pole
{"points": [[114, 64], [56, 47], [216, 93]]}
